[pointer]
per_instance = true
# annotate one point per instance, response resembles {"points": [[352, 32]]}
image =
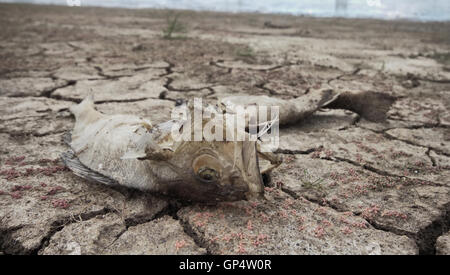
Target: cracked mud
{"points": [[346, 185]]}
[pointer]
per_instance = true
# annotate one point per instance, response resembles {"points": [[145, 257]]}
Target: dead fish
{"points": [[372, 106], [129, 151]]}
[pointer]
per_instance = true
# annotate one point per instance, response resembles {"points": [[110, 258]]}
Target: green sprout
{"points": [[246, 54], [308, 183], [174, 26], [441, 57]]}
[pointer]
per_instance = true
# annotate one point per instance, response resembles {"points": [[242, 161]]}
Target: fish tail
{"points": [[372, 106], [73, 163]]}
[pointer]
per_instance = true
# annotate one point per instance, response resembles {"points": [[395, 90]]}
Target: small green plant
{"points": [[174, 26], [383, 66], [246, 54], [308, 183], [441, 57]]}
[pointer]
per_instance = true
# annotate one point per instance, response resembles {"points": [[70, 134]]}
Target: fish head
{"points": [[210, 169], [216, 171]]}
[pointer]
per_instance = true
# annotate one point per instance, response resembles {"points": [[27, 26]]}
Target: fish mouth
{"points": [[252, 172]]}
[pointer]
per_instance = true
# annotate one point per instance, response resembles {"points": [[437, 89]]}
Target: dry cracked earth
{"points": [[346, 185]]}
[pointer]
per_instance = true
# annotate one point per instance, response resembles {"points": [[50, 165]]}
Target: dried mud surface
{"points": [[346, 185]]}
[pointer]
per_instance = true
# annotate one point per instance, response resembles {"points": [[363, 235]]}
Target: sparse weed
{"points": [[443, 57], [174, 26], [308, 183], [383, 66], [246, 54]]}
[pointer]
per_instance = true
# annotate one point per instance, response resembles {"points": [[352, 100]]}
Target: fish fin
{"points": [[85, 113], [162, 154], [268, 160], [147, 149], [328, 96], [138, 150], [79, 169], [134, 155], [83, 106]]}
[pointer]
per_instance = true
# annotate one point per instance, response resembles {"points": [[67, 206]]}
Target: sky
{"points": [[421, 10]]}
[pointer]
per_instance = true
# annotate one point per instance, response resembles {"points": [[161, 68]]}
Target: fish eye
{"points": [[208, 174], [207, 168]]}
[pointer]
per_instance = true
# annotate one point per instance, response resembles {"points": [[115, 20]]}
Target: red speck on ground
{"points": [[226, 238], [10, 173], [180, 244], [315, 154], [28, 172], [322, 211], [239, 235], [48, 160], [301, 219], [241, 248], [283, 214], [393, 213], [370, 212], [347, 230], [249, 225], [54, 190], [264, 217], [214, 240], [64, 204], [288, 203], [21, 188], [359, 224], [14, 160], [49, 171], [260, 239], [200, 224], [319, 231], [16, 195]]}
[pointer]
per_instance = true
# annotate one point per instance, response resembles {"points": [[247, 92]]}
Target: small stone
{"points": [[443, 244]]}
